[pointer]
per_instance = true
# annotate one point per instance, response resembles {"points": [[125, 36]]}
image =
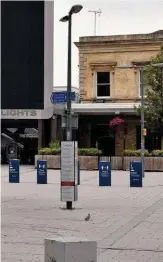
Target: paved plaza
{"points": [[126, 222]]}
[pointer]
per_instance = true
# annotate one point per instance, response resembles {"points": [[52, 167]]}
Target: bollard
{"points": [[41, 171], [78, 173], [136, 174], [104, 173], [70, 249], [14, 170]]}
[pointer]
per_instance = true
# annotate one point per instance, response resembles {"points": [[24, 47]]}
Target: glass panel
{"points": [[103, 90], [103, 77]]}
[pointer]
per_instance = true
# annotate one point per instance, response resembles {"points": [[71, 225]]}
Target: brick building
{"points": [[107, 91]]}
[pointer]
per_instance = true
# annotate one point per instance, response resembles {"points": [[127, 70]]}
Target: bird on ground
{"points": [[87, 218]]}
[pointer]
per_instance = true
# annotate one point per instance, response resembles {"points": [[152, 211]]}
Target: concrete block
{"points": [[70, 249]]}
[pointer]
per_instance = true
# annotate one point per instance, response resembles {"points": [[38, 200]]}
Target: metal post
{"points": [[95, 24], [142, 117], [162, 104], [69, 124]]}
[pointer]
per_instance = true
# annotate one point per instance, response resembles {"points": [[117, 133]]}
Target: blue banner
{"points": [[135, 174], [104, 173], [41, 172], [14, 170], [61, 97]]}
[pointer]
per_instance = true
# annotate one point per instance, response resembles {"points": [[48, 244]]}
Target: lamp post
{"points": [[160, 65], [142, 117], [68, 18]]}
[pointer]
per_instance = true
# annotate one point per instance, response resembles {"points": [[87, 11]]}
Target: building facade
{"points": [[107, 91], [26, 77]]}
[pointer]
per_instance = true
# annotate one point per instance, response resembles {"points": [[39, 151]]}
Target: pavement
{"points": [[126, 222]]}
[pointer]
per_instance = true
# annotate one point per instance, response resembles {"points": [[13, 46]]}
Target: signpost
{"points": [[75, 121], [104, 173], [14, 170], [135, 174], [41, 172], [69, 171], [61, 97]]}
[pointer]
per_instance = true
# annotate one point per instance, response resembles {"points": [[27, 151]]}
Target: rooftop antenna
{"points": [[95, 13]]}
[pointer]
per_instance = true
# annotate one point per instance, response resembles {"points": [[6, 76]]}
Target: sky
{"points": [[118, 17]]}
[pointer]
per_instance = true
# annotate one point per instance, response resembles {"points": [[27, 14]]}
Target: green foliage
{"points": [[49, 151], [129, 152], [157, 153], [89, 152], [55, 144], [154, 93], [154, 153], [81, 151]]}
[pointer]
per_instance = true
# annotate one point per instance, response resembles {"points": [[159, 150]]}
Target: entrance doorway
{"points": [[107, 145], [106, 140]]}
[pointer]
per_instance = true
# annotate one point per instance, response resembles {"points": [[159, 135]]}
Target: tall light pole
{"points": [[68, 18], [142, 117]]}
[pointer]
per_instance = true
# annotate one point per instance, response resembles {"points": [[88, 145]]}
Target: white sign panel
{"points": [[69, 170], [67, 193]]}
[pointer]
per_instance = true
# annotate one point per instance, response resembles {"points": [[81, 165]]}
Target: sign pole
{"points": [[69, 171], [68, 126], [142, 119]]}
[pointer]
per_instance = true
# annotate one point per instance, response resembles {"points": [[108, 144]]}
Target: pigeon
{"points": [[87, 217]]}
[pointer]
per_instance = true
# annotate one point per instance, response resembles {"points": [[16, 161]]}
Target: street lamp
{"points": [[68, 18], [160, 65]]}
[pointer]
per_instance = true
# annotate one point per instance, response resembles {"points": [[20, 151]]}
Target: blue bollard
{"points": [[14, 170], [78, 173], [136, 174], [41, 172], [104, 173]]}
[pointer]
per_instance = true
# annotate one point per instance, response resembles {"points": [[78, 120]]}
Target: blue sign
{"points": [[14, 170], [61, 97], [135, 174], [41, 172], [104, 173]]}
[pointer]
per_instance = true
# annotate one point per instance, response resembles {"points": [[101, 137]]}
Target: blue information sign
{"points": [[61, 97], [41, 172], [135, 174], [14, 170], [104, 173]]}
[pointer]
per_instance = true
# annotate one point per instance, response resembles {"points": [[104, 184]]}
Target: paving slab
{"points": [[127, 223]]}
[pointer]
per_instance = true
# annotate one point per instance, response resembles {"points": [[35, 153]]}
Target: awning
{"points": [[105, 108]]}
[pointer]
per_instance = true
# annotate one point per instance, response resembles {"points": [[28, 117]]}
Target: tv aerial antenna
{"points": [[96, 12]]}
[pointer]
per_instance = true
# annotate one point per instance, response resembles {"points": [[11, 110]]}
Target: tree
{"points": [[153, 79]]}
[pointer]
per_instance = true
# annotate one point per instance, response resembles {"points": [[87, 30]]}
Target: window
{"points": [[146, 86], [103, 84]]}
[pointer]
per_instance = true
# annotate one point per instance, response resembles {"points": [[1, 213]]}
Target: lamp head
{"points": [[75, 9], [64, 18]]}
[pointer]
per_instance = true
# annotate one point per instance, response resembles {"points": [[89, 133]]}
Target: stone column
{"points": [[44, 129], [40, 133], [54, 129], [119, 141], [131, 136]]}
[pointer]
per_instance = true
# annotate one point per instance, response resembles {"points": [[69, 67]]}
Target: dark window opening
{"points": [[103, 84]]}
